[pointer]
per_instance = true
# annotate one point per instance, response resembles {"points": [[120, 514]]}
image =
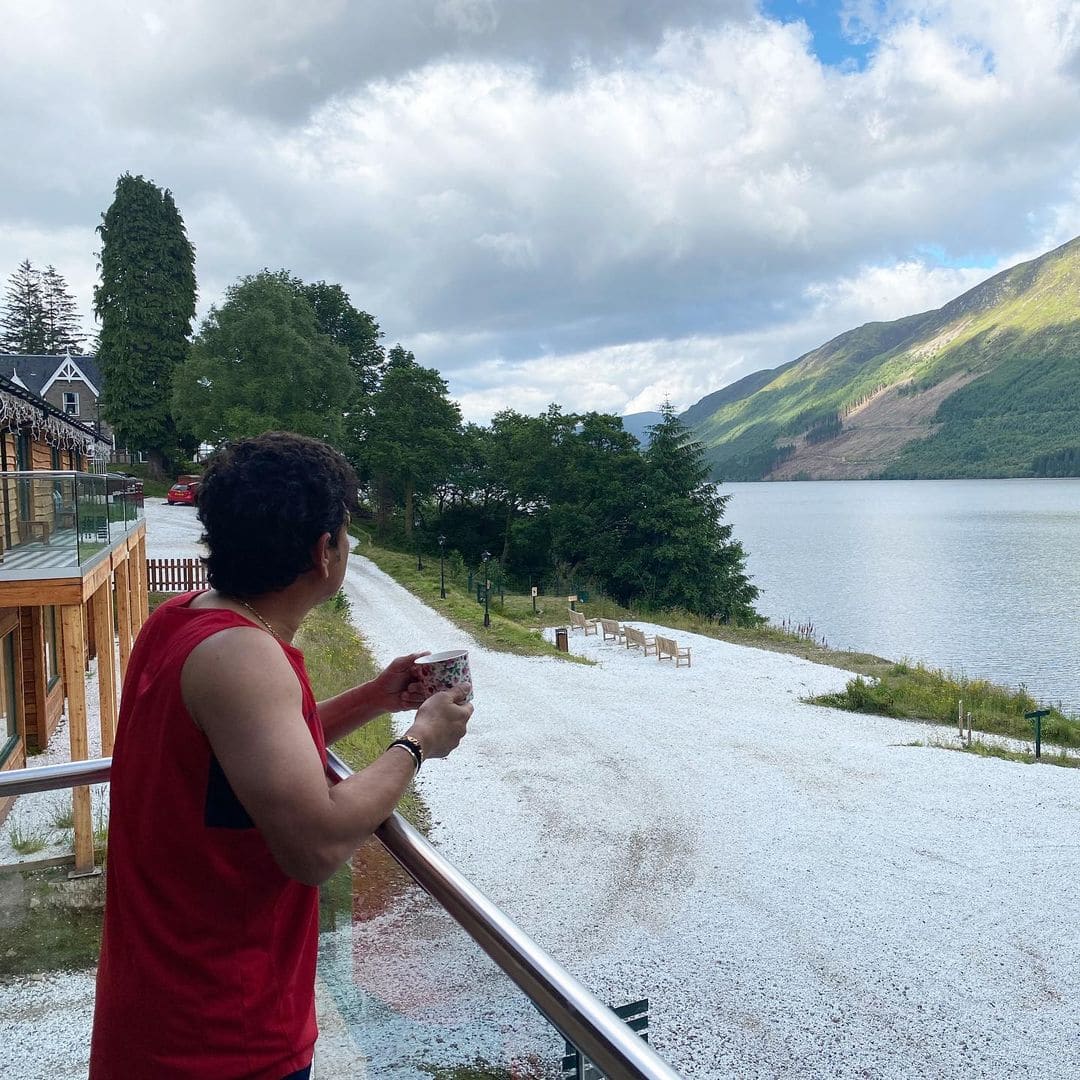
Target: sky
{"points": [[599, 203]]}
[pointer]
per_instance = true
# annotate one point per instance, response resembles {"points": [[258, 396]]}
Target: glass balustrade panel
{"points": [[37, 521], [406, 994]]}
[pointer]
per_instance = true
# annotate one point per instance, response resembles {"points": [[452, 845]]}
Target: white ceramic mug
{"points": [[444, 671]]}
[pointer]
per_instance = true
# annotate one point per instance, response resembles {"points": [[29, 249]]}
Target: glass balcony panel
{"points": [[403, 992], [38, 513], [406, 994], [51, 522], [93, 515]]}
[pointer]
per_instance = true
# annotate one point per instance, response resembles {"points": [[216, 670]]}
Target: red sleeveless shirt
{"points": [[208, 953]]}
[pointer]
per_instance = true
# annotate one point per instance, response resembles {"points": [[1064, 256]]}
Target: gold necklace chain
{"points": [[269, 628]]}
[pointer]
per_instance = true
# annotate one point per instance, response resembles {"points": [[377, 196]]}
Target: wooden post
{"points": [[144, 595], [71, 619], [90, 623], [969, 729], [123, 612], [106, 664], [960, 717]]}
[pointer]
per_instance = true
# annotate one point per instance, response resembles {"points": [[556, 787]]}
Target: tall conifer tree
{"points": [[21, 325], [689, 558], [59, 315], [145, 304]]}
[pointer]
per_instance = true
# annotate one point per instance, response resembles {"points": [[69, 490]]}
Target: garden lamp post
{"points": [[416, 533], [487, 588], [442, 572]]}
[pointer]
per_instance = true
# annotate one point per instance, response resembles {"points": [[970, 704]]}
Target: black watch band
{"points": [[414, 748]]}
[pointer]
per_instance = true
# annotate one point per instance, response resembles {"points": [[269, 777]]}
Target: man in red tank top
{"points": [[222, 823]]}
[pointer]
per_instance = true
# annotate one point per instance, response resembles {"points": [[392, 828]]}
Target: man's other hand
{"points": [[441, 720]]}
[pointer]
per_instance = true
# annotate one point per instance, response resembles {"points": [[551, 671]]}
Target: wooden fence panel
{"points": [[175, 575]]}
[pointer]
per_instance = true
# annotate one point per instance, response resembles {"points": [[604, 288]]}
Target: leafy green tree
{"points": [[259, 363], [22, 327], [356, 330], [145, 304], [413, 436], [59, 315]]}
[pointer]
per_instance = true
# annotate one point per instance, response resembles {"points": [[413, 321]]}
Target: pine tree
{"points": [[689, 558], [59, 315], [146, 304], [22, 324]]}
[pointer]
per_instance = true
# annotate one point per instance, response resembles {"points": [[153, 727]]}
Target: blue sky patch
{"points": [[829, 44], [936, 255]]}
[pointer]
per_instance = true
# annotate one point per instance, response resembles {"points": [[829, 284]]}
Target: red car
{"points": [[183, 494]]}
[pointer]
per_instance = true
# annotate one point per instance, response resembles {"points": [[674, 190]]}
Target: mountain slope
{"points": [[983, 386]]}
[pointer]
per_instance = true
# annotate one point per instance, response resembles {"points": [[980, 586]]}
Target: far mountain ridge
{"points": [[986, 385], [638, 424]]}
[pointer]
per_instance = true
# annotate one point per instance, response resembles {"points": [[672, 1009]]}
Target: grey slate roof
{"points": [[35, 371]]}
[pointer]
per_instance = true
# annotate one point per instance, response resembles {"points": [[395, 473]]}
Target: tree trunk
{"points": [[506, 534], [409, 486], [382, 505], [155, 465]]}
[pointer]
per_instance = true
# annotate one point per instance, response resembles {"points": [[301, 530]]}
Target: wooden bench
{"points": [[611, 629], [668, 649], [636, 639], [579, 622]]}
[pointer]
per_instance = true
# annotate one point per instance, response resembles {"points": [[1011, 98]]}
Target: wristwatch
{"points": [[414, 748]]}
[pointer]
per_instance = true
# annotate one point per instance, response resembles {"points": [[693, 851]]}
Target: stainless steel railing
{"points": [[566, 1003]]}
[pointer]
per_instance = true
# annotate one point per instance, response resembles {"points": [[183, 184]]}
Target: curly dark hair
{"points": [[264, 502]]}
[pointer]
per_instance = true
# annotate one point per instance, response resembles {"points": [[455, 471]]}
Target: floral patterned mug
{"points": [[444, 671]]}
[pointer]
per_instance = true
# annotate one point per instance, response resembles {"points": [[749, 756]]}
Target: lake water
{"points": [[980, 577]]}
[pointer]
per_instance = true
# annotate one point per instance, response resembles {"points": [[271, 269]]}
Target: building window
{"points": [[52, 647], [9, 728], [71, 403]]}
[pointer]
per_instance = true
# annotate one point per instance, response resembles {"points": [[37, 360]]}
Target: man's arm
{"points": [[243, 693]]}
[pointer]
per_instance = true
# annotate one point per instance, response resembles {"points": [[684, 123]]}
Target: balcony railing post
{"points": [[74, 634]]}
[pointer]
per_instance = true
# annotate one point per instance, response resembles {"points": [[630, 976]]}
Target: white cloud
{"points": [[647, 202]]}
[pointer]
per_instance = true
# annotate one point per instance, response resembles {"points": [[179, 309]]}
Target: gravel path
{"points": [[798, 891]]}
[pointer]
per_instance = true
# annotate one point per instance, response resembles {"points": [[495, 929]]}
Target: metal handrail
{"points": [[54, 777], [566, 1003]]}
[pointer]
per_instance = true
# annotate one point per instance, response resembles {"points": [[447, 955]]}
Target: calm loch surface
{"points": [[980, 577]]}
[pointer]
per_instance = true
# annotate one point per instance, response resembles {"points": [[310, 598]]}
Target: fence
{"points": [[175, 575]]}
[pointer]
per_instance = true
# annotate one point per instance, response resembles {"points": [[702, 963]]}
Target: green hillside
{"points": [[988, 385]]}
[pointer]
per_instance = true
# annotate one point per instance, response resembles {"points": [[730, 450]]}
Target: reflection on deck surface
{"points": [[64, 549]]}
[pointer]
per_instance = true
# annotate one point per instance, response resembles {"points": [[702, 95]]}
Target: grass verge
{"points": [[1068, 761], [917, 692], [39, 931], [511, 628]]}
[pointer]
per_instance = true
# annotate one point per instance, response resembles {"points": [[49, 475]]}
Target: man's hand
{"points": [[397, 687], [440, 722]]}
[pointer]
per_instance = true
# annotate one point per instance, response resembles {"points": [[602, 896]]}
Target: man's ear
{"points": [[322, 555]]}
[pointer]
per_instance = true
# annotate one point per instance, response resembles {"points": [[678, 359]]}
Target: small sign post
{"points": [[1037, 716], [534, 599]]}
